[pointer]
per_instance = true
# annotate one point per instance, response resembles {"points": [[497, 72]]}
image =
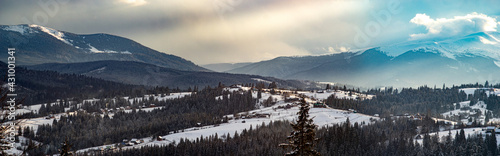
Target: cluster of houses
{"points": [[287, 106], [251, 115], [319, 105], [492, 129], [132, 142]]}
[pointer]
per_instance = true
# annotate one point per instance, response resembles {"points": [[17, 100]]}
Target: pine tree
{"points": [[273, 85], [302, 138], [66, 148], [491, 141]]}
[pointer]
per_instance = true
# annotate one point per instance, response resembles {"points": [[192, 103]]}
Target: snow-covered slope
{"points": [[480, 44], [469, 132], [464, 110], [277, 112], [52, 32], [50, 45], [453, 60]]}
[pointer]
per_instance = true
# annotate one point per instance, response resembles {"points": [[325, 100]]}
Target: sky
{"points": [[231, 31]]}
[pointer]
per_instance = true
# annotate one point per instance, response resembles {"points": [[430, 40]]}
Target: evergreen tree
{"points": [[66, 148], [302, 138], [273, 85], [491, 141]]}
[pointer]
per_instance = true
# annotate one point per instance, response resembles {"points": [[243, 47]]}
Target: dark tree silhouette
{"points": [[66, 148], [302, 138]]}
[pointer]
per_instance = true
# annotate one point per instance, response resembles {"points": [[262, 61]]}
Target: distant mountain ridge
{"points": [[467, 59], [37, 44], [46, 86], [223, 67], [138, 73]]}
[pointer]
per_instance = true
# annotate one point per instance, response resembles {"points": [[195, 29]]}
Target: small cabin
{"points": [[490, 129], [319, 105], [160, 138], [51, 116], [134, 141]]}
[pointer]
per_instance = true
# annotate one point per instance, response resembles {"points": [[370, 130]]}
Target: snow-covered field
{"points": [[322, 117], [488, 91], [468, 132], [339, 94], [475, 111]]}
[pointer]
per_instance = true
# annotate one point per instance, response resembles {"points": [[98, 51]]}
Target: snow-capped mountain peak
{"points": [[22, 29], [52, 32], [33, 28], [481, 44]]}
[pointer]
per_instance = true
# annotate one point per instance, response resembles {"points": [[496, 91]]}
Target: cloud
{"points": [[134, 2], [458, 25], [338, 49]]}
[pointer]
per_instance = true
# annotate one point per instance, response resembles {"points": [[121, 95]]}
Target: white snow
{"points": [[55, 33], [261, 80], [497, 63], [330, 83], [126, 52], [339, 94], [100, 70], [322, 117], [18, 28], [481, 44], [22, 140], [467, 131], [95, 50], [474, 109], [467, 111], [488, 91], [486, 41]]}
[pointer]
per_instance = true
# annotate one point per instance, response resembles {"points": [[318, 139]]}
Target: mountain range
{"points": [[222, 67], [38, 44], [138, 73], [454, 60]]}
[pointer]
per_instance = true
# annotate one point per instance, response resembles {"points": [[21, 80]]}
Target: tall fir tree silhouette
{"points": [[302, 139]]}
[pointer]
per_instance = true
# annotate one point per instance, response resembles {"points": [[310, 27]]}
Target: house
{"points": [[124, 142], [160, 138], [51, 116], [134, 141], [263, 115], [234, 86], [490, 129], [319, 105]]}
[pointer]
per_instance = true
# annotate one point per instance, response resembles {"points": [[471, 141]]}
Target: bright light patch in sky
{"points": [[135, 2]]}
